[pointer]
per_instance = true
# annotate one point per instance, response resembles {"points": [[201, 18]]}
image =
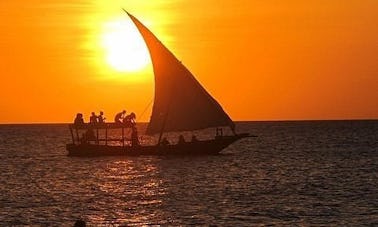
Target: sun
{"points": [[125, 50]]}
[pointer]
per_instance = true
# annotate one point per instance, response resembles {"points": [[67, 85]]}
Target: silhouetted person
{"points": [[181, 139], [79, 119], [101, 118], [119, 117], [89, 135], [194, 139], [219, 133], [134, 137], [80, 223], [164, 142], [93, 118], [129, 120]]}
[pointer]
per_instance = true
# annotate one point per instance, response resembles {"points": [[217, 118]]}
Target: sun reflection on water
{"points": [[131, 189]]}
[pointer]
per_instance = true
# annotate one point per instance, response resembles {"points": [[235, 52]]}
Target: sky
{"points": [[262, 60]]}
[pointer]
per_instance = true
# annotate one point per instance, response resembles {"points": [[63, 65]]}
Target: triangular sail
{"points": [[180, 103]]}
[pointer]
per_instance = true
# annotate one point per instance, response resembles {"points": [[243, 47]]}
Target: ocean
{"points": [[308, 173]]}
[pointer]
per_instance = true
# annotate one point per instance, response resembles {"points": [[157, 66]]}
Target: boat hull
{"points": [[207, 147]]}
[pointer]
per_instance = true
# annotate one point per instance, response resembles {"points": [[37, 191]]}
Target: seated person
{"points": [[119, 116], [89, 135], [164, 142], [219, 133], [181, 139], [129, 120], [79, 119], [194, 138]]}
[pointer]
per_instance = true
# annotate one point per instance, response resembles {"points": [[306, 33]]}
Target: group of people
{"points": [[181, 140], [123, 118], [94, 119], [120, 118]]}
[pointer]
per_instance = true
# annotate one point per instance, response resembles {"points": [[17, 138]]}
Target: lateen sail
{"points": [[180, 103]]}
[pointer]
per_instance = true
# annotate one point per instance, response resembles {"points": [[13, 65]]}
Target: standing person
{"points": [[134, 137], [119, 117], [101, 118], [93, 118]]}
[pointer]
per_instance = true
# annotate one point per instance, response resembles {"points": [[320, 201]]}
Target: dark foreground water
{"points": [[294, 173]]}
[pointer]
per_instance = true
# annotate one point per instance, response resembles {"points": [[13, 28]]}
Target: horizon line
{"points": [[146, 122]]}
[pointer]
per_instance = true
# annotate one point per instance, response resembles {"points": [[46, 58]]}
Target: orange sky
{"points": [[262, 60]]}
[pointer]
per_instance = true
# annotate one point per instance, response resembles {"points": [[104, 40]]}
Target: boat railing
{"points": [[112, 125], [92, 133]]}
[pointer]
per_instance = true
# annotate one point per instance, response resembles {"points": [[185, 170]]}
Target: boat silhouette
{"points": [[180, 104]]}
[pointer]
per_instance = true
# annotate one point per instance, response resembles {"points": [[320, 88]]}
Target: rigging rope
{"points": [[145, 109]]}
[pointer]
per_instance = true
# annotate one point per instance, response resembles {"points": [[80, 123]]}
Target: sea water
{"points": [[293, 173]]}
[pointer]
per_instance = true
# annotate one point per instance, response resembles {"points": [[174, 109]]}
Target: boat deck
{"points": [[92, 133], [204, 147]]}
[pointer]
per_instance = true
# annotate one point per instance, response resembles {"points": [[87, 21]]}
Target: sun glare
{"points": [[124, 47]]}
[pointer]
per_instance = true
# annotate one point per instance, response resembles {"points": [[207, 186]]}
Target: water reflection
{"points": [[305, 173], [131, 191]]}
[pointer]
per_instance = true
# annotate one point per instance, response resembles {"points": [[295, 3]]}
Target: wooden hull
{"points": [[208, 147]]}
